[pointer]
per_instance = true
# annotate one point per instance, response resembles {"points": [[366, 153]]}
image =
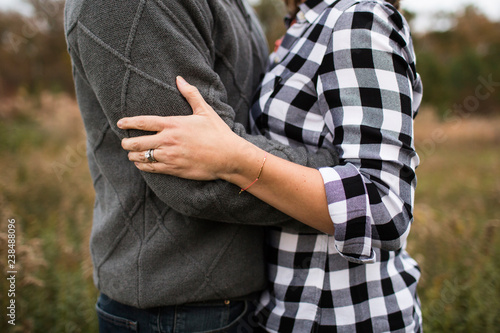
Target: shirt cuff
{"points": [[349, 208]]}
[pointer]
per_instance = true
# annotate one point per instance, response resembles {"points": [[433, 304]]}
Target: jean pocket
{"points": [[111, 323], [236, 317]]}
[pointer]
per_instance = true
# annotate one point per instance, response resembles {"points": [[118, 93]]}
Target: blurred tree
{"points": [[33, 52], [454, 64]]}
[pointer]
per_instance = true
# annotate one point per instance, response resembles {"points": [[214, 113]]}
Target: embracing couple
{"points": [[237, 194]]}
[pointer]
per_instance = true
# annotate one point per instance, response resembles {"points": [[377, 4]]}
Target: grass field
{"points": [[456, 233], [46, 188]]}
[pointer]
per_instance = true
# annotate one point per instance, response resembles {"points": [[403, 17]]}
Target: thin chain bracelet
{"points": [[256, 179]]}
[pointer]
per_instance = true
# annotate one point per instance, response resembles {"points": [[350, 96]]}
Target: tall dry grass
{"points": [[45, 186], [456, 233]]}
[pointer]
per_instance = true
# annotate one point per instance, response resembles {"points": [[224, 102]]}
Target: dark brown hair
{"points": [[395, 3]]}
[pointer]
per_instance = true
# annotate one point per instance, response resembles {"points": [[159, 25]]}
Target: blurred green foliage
{"points": [[454, 64]]}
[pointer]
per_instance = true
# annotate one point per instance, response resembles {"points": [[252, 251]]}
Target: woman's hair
{"points": [[395, 3], [293, 5]]}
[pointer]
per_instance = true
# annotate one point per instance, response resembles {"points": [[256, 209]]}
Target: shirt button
{"points": [[276, 59]]}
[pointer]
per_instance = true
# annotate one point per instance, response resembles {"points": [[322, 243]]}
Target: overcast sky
{"points": [[424, 9]]}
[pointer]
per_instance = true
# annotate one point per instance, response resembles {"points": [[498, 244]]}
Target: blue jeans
{"points": [[237, 317]]}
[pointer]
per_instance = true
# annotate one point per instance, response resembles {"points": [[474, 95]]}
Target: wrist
{"points": [[243, 164]]}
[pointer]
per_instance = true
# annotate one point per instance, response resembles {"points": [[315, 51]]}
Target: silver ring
{"points": [[150, 156]]}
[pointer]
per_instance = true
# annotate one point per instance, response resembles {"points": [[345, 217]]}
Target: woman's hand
{"points": [[200, 146]]}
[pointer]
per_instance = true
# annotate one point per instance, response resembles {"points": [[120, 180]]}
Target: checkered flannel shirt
{"points": [[344, 77]]}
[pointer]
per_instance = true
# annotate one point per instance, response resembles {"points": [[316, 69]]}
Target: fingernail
{"points": [[181, 80], [119, 123]]}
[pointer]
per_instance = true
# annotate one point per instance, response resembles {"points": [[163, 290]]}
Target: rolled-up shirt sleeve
{"points": [[371, 92]]}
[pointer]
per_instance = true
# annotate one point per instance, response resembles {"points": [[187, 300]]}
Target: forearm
{"points": [[296, 190], [219, 200]]}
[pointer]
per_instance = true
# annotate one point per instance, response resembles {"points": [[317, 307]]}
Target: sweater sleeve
{"points": [[136, 76]]}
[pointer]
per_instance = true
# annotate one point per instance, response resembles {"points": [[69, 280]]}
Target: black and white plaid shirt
{"points": [[344, 77]]}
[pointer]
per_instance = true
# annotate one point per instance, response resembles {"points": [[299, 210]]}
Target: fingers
{"points": [[192, 95], [139, 157], [141, 143], [144, 123], [142, 163], [158, 123], [149, 167]]}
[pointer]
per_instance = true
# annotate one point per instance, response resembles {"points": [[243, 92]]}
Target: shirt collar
{"points": [[311, 9]]}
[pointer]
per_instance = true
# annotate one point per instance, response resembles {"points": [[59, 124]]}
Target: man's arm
{"points": [[136, 75]]}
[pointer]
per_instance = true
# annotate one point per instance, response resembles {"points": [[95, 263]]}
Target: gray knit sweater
{"points": [[160, 240]]}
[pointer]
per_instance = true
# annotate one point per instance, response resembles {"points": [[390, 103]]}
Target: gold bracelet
{"points": [[256, 179]]}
